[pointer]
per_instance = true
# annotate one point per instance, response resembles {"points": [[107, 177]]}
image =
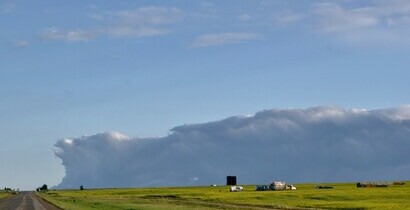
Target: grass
{"points": [[4, 194], [343, 196]]}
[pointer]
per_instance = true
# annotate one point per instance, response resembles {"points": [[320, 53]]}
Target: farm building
{"points": [[275, 185]]}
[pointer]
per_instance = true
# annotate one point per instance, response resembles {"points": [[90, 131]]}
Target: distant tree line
{"points": [[42, 188]]}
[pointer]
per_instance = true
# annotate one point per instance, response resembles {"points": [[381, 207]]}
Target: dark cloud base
{"points": [[318, 144]]}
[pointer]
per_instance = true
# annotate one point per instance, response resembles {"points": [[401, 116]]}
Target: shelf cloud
{"points": [[318, 144]]}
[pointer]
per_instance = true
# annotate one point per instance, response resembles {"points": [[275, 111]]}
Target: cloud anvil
{"points": [[315, 144]]}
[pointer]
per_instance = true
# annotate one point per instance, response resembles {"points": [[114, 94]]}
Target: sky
{"points": [[74, 68]]}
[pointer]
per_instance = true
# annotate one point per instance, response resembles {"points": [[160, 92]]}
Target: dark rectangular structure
{"points": [[231, 180]]}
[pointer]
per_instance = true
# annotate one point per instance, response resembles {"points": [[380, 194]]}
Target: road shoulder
{"points": [[47, 205]]}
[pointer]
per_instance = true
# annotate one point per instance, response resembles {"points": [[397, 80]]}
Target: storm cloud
{"points": [[317, 144]]}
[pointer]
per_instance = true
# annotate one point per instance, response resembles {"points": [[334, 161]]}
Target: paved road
{"points": [[25, 201]]}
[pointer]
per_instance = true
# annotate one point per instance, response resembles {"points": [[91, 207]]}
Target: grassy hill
{"points": [[342, 196]]}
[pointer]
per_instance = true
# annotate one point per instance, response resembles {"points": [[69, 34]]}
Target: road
{"points": [[25, 201]]}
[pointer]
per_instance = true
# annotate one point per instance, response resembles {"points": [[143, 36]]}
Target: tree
{"points": [[42, 188], [81, 187]]}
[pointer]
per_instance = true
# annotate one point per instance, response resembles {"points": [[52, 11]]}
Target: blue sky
{"points": [[72, 68]]}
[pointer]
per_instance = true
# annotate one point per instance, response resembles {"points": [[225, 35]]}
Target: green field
{"points": [[4, 194], [342, 196]]}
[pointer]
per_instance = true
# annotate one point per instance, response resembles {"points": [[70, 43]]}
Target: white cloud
{"points": [[143, 22], [68, 36], [377, 23], [297, 145], [95, 16], [401, 113], [136, 32], [216, 39], [287, 17], [245, 17], [149, 16], [92, 7], [334, 18], [207, 4], [135, 23], [22, 43]]}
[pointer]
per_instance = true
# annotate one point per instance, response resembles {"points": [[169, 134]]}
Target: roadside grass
{"points": [[4, 194], [343, 196]]}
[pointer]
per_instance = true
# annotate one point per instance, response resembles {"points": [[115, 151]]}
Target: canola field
{"points": [[341, 196]]}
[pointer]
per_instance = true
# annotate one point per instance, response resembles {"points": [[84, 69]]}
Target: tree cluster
{"points": [[42, 188]]}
